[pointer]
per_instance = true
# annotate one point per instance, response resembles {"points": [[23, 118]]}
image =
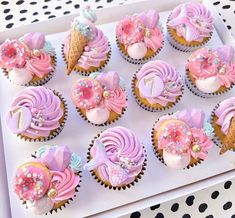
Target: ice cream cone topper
{"points": [[81, 33]]}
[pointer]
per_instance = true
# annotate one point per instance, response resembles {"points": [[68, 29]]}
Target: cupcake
{"points": [[210, 72], [100, 98], [139, 37], [86, 49], [223, 122], [44, 110], [157, 86], [49, 181], [116, 158], [189, 26], [182, 140], [28, 61]]}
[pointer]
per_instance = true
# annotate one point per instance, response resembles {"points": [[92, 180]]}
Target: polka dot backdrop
{"points": [[217, 201]]}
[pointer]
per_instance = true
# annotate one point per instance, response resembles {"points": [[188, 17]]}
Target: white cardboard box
{"points": [[159, 183]]}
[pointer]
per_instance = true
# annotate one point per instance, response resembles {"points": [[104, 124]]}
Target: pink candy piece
{"points": [[34, 40], [18, 119], [87, 93], [175, 138], [31, 182], [109, 80], [13, 54]]}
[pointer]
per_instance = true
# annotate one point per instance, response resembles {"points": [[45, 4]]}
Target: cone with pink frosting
{"points": [[85, 49], [183, 139], [37, 114], [49, 181], [139, 37], [28, 61], [223, 122], [157, 86], [116, 158]]}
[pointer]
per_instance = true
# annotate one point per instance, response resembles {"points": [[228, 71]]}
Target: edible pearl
{"points": [[36, 52], [196, 148], [106, 94], [52, 193], [222, 70], [148, 33]]}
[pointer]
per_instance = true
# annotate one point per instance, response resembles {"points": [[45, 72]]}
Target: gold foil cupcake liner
{"points": [[124, 187], [54, 132], [192, 87], [126, 57], [38, 82], [148, 107], [159, 155], [180, 47], [94, 69]]}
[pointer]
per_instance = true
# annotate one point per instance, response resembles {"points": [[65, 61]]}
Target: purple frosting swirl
{"points": [[225, 113], [162, 81], [124, 153], [193, 21], [43, 109]]}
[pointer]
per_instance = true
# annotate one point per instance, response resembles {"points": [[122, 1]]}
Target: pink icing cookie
{"points": [[87, 93], [175, 136], [32, 181]]}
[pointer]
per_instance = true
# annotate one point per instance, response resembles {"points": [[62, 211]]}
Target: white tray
{"points": [[158, 183]]}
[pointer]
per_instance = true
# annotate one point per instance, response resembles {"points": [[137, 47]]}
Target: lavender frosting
{"points": [[225, 113], [43, 112], [94, 53], [159, 83], [122, 159], [193, 21]]}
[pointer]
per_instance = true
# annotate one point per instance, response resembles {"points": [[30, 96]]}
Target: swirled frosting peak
{"points": [[117, 155], [159, 83], [35, 112], [193, 21]]}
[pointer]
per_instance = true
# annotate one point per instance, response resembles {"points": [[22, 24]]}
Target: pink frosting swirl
{"points": [[170, 78], [45, 108], [94, 53], [208, 62], [39, 65], [116, 100], [193, 21], [225, 113], [64, 183], [124, 156]]}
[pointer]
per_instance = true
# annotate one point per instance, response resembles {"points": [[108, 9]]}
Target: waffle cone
{"points": [[76, 46], [229, 141]]}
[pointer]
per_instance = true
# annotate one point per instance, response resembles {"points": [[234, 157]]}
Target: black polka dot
{"points": [[44, 7], [51, 16], [215, 194], [174, 207], [47, 13], [33, 3], [34, 21], [68, 2], [8, 26], [66, 12], [227, 184], [23, 11], [209, 216], [4, 3], [22, 19], [227, 205], [6, 10], [229, 27], [109, 1], [97, 0], [135, 215], [58, 7], [35, 13], [8, 17], [233, 216], [77, 6], [154, 207], [47, 0], [224, 20], [159, 215], [202, 207], [216, 3], [189, 200], [20, 2], [186, 216], [99, 6], [226, 6]]}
